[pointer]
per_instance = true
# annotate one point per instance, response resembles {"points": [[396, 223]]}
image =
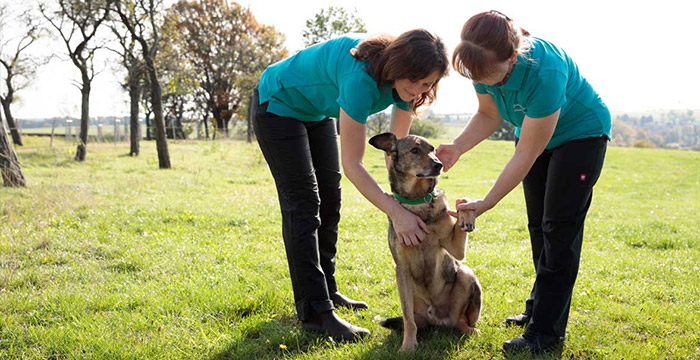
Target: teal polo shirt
{"points": [[544, 80], [316, 82]]}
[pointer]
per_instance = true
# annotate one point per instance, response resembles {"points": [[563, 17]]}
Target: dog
{"points": [[434, 287]]}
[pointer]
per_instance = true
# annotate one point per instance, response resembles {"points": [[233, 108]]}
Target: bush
{"points": [[428, 128], [644, 144]]}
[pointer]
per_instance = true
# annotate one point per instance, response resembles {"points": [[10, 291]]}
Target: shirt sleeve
{"points": [[480, 88], [356, 94], [548, 96]]}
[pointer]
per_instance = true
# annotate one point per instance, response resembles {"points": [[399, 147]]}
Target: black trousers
{"points": [[304, 161], [558, 192]]}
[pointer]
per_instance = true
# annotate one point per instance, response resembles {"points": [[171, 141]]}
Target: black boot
{"points": [[518, 320], [340, 330], [533, 342], [340, 300]]}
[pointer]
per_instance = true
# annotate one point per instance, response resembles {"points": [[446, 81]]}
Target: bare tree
{"points": [[139, 17], [135, 70], [77, 22], [17, 65], [9, 164]]}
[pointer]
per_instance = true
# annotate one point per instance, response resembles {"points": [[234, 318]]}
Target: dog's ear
{"points": [[385, 141]]}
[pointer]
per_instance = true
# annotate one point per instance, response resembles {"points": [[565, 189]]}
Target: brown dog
{"points": [[434, 287]]}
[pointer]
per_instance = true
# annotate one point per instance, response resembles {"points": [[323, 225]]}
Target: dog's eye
{"points": [[415, 151]]}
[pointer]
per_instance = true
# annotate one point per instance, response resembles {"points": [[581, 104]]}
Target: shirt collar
{"points": [[516, 77]]}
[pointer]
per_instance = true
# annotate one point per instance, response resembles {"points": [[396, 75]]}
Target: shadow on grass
{"points": [[272, 339], [284, 338], [433, 343]]}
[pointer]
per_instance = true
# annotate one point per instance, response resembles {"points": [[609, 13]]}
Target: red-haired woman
{"points": [[348, 78], [562, 130]]}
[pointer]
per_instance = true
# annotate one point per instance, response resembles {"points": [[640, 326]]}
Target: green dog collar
{"points": [[428, 198]]}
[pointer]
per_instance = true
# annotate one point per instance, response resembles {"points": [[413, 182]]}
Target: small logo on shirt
{"points": [[520, 108], [582, 177]]}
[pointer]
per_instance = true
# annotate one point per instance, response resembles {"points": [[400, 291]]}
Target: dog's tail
{"points": [[395, 323]]}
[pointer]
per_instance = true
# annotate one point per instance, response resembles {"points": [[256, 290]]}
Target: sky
{"points": [[638, 55]]}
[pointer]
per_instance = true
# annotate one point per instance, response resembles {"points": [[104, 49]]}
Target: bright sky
{"points": [[639, 55]]}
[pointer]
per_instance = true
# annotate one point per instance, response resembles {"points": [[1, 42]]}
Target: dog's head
{"points": [[413, 166]]}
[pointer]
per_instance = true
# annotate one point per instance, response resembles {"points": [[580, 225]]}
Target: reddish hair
{"points": [[413, 55], [487, 38]]}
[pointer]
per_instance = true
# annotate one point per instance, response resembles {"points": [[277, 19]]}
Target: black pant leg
{"points": [[285, 146], [573, 171], [534, 186], [326, 160]]}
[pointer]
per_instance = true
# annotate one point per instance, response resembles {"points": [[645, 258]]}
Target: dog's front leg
{"points": [[403, 282]]}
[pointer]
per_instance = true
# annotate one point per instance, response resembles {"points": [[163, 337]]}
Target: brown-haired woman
{"points": [[348, 78], [562, 129]]}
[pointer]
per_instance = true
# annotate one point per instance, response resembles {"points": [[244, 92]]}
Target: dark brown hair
{"points": [[414, 55], [487, 38]]}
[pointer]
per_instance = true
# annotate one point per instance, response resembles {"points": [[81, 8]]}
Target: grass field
{"points": [[116, 259]]}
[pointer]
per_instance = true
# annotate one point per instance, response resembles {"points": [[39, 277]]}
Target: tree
{"points": [[505, 131], [378, 123], [18, 67], [331, 22], [9, 164], [227, 49], [77, 22], [140, 18], [135, 69]]}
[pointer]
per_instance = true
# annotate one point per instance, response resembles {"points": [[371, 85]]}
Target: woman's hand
{"points": [[409, 228], [448, 154], [478, 206]]}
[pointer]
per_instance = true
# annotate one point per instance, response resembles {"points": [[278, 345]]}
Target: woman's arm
{"points": [[480, 126], [400, 121], [534, 136], [409, 228]]}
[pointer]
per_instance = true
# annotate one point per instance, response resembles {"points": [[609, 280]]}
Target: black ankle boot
{"points": [[534, 342], [340, 300], [340, 330], [518, 320]]}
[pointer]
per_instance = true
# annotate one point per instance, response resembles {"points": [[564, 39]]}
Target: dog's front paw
{"points": [[408, 346], [466, 220]]}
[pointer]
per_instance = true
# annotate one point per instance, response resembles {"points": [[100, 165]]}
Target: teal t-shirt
{"points": [[316, 82], [544, 80]]}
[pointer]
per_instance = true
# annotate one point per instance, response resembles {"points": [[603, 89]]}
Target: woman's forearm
{"points": [[368, 187], [514, 172]]}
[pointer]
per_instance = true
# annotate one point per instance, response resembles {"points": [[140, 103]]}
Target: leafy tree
{"points": [[77, 22], [227, 50], [329, 22]]}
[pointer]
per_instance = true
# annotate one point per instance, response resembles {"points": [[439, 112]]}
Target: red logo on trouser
{"points": [[582, 177]]}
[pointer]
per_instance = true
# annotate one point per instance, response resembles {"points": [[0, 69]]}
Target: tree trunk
{"points": [[135, 95], [157, 106], [14, 131], [147, 119], [84, 116], [206, 126], [9, 164]]}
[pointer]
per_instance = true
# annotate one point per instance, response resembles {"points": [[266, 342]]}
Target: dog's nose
{"points": [[437, 165]]}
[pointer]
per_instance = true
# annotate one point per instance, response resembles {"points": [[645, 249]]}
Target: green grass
{"points": [[116, 259]]}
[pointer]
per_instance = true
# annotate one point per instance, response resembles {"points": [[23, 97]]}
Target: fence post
{"points": [[116, 131], [69, 130], [99, 133]]}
